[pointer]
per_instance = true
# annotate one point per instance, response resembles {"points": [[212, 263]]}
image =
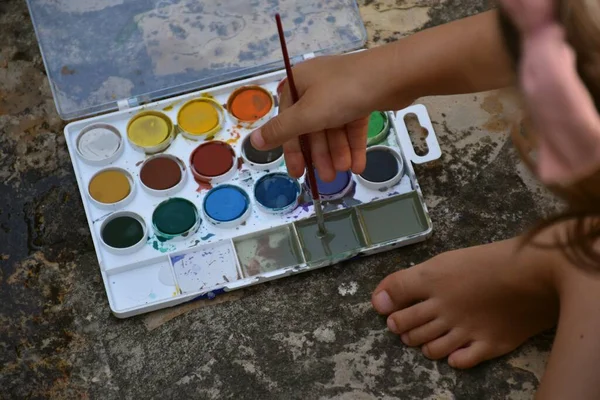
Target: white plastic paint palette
{"points": [[263, 242]]}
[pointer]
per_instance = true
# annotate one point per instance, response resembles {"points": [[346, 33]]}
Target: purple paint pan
{"points": [[336, 189]]}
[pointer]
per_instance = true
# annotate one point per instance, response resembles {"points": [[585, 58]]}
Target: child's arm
{"points": [[465, 56], [338, 93]]}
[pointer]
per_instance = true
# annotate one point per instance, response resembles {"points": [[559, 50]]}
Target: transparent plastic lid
{"points": [[101, 52]]}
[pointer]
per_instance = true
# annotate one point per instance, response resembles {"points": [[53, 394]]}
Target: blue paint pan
{"points": [[335, 189], [277, 193], [227, 206]]}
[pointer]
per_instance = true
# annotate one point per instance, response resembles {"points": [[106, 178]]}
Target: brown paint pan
{"points": [[163, 175]]}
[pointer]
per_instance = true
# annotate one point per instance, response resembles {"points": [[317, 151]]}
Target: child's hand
{"points": [[333, 109], [337, 94]]}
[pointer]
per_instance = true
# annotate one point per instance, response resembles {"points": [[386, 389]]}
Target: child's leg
{"points": [[573, 371], [473, 304]]}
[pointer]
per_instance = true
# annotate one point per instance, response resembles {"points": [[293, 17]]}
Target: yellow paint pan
{"points": [[150, 131], [199, 118]]}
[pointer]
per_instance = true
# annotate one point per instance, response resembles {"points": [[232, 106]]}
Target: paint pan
{"points": [[384, 169], [277, 193], [344, 237], [393, 218], [200, 118], [379, 128], [147, 283], [213, 162], [111, 188], [175, 219], [267, 251], [261, 160], [227, 206], [150, 132], [250, 105], [123, 232], [336, 189], [209, 267], [163, 175], [99, 144]]}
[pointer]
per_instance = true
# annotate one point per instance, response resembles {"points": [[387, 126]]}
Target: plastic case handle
{"points": [[432, 143]]}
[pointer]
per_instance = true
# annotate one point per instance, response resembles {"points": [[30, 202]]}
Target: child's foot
{"points": [[474, 304]]}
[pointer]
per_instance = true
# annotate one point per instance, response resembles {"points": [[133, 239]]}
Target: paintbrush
{"points": [[304, 145]]}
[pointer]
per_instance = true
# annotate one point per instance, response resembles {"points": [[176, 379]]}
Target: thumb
{"points": [[290, 123]]}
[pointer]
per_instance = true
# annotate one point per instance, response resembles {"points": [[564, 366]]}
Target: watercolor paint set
{"points": [[179, 203]]}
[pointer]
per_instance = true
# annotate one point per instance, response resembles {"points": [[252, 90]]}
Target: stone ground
{"points": [[312, 336]]}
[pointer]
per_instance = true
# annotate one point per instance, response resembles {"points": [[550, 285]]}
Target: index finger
{"points": [[294, 160], [357, 139]]}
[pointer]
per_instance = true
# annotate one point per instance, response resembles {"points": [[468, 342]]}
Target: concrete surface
{"points": [[312, 336]]}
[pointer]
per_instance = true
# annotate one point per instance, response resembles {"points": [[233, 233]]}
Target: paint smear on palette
{"points": [[196, 242], [246, 178], [160, 245], [268, 251], [405, 186], [172, 105], [203, 186], [207, 268], [235, 136]]}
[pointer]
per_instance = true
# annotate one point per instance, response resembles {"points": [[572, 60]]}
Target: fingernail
{"points": [[404, 338], [280, 86], [451, 362], [383, 302], [392, 325], [257, 139]]}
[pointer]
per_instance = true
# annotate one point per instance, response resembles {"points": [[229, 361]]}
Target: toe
{"points": [[398, 290], [442, 346], [425, 333], [412, 317], [469, 356]]}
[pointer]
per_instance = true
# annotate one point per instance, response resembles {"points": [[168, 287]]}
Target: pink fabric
{"points": [[561, 109]]}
